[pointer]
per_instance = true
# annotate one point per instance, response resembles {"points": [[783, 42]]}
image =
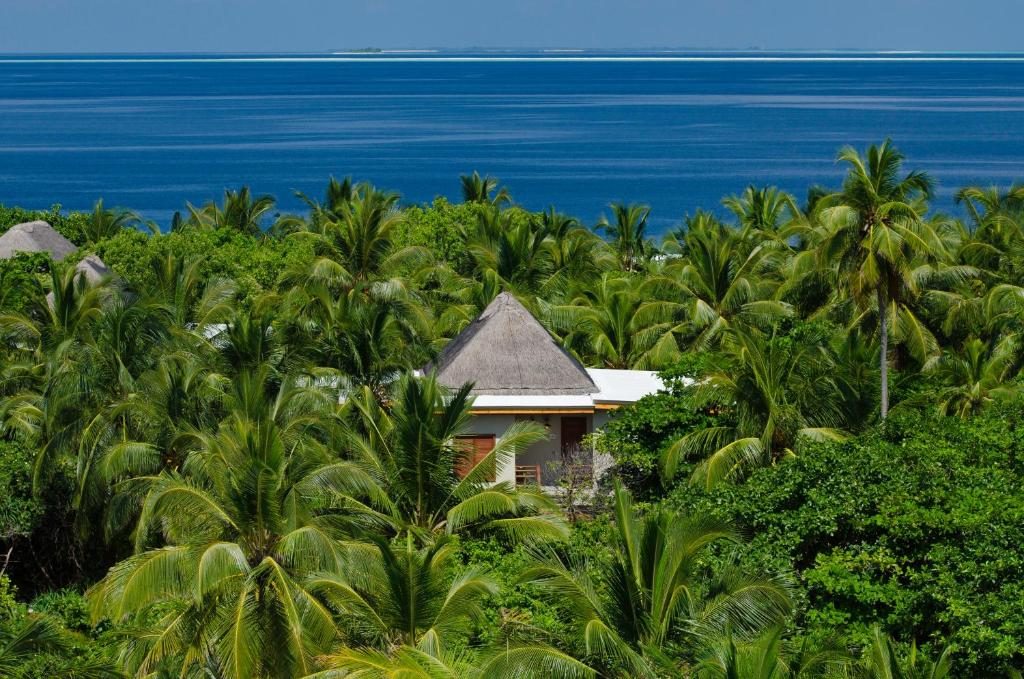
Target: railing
{"points": [[527, 474]]}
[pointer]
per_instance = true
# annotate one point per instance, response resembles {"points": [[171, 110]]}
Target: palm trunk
{"points": [[883, 329]]}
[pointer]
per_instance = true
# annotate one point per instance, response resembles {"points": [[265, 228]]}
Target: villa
{"points": [[519, 372]]}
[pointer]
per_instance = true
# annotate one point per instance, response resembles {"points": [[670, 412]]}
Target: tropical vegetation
{"points": [[223, 460]]}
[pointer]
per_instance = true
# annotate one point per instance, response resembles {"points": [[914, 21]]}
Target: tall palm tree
{"points": [[413, 455], [628, 234], [627, 618], [477, 189], [768, 394], [873, 232]]}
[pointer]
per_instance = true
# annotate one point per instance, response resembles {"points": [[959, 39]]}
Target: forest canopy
{"points": [[830, 484]]}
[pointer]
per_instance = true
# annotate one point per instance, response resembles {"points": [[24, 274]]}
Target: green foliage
{"points": [[441, 228], [254, 263], [19, 280], [20, 509], [638, 434], [915, 526], [173, 440]]}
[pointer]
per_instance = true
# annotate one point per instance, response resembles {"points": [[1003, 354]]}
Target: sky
{"points": [[324, 25]]}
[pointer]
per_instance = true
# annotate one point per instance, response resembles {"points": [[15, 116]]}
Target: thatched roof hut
{"points": [[507, 352], [35, 236]]}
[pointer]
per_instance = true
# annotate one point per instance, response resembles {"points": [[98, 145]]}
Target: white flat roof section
{"points": [[624, 386], [614, 387]]}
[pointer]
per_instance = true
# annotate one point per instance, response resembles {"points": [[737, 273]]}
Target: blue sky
{"points": [[320, 25]]}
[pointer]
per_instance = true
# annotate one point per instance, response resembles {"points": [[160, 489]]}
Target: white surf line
{"points": [[370, 59]]}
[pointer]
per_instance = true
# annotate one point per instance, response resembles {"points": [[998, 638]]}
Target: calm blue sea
{"points": [[575, 129]]}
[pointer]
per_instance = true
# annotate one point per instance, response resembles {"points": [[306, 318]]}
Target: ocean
{"points": [[675, 130]]}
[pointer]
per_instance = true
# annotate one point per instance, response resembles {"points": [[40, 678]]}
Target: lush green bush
{"points": [[638, 433], [254, 263], [20, 509], [916, 526], [19, 279], [439, 228]]}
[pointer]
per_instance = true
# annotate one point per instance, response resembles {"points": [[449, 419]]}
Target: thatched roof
{"points": [[93, 268], [35, 237], [505, 351]]}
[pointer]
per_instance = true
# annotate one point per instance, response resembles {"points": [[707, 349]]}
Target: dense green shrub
{"points": [[254, 263], [638, 433], [19, 279], [917, 526], [20, 509]]}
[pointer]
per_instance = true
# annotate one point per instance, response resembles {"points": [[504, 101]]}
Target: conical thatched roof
{"points": [[35, 237], [505, 351]]}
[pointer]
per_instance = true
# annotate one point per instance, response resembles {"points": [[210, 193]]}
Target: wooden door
{"points": [[476, 447], [573, 430]]}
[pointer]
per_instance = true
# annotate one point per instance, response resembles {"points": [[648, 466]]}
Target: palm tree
{"points": [[977, 375], [106, 223], [336, 196], [240, 211], [882, 661], [628, 234], [723, 279], [614, 326], [627, 618], [477, 189], [180, 292], [403, 595], [412, 453], [354, 243], [368, 336], [20, 640], [769, 394], [428, 661], [770, 657], [995, 240], [873, 233], [226, 547], [518, 253], [23, 640], [763, 209]]}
